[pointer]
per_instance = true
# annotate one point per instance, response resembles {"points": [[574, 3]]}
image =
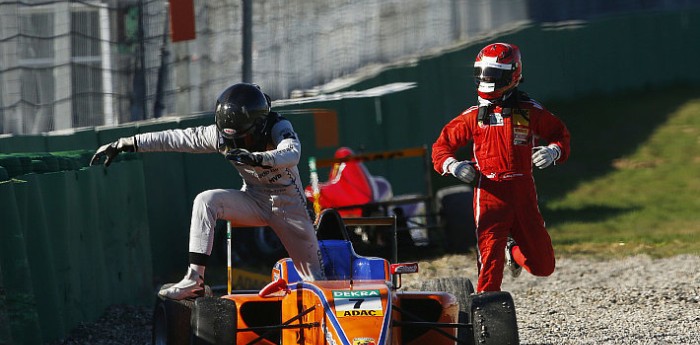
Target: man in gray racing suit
{"points": [[265, 150]]}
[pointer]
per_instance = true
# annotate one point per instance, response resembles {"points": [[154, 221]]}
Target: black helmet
{"points": [[239, 109]]}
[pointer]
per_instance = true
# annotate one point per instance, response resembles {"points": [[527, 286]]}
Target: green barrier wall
{"points": [[168, 207], [72, 243], [35, 224], [22, 316], [5, 335], [23, 143], [74, 140]]}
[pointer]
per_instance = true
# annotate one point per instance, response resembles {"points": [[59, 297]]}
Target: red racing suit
{"points": [[505, 199], [349, 183]]}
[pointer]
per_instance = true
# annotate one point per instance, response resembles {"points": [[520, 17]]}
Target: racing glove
{"points": [[245, 157], [113, 149], [544, 156], [463, 170]]}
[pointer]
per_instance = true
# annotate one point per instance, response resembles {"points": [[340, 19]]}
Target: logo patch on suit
{"points": [[521, 127], [520, 135]]}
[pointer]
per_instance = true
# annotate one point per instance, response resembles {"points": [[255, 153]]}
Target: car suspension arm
{"points": [[437, 326], [284, 325]]}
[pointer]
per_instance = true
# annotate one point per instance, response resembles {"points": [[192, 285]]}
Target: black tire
{"points": [[213, 321], [455, 206], [463, 289], [494, 320], [460, 287], [171, 321]]}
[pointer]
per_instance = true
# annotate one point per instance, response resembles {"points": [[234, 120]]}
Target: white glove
{"points": [[463, 170], [544, 156]]}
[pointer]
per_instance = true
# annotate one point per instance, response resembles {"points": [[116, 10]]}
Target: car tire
{"points": [[494, 319], [213, 321], [463, 289], [455, 207], [171, 321]]}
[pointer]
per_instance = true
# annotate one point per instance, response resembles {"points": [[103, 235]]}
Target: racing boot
{"points": [[191, 286], [513, 266]]}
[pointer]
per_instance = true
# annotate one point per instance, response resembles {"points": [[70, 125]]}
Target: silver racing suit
{"points": [[271, 196]]}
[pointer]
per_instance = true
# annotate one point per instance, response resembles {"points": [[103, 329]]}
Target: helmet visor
{"points": [[499, 77]]}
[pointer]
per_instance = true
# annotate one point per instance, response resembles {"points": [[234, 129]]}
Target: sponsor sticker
{"points": [[357, 303], [404, 268], [363, 341], [520, 135]]}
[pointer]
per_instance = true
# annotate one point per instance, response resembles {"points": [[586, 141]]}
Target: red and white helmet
{"points": [[497, 70]]}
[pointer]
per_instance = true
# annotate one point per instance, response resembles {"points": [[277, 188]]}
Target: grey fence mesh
{"points": [[68, 64]]}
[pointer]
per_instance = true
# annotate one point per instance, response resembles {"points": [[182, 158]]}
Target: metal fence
{"points": [[68, 64]]}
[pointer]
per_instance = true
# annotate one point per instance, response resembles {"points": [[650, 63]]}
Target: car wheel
{"points": [[463, 289], [171, 321], [494, 320], [456, 215], [213, 321]]}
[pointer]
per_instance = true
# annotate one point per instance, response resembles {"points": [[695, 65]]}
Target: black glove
{"points": [[113, 149], [245, 157]]}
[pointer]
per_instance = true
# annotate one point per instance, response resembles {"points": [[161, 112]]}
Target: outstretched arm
{"points": [[203, 139]]}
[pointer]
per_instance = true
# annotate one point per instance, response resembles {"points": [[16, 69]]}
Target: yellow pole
{"points": [[228, 258], [314, 186]]}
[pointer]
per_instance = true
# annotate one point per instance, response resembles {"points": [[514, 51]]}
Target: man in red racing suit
{"points": [[349, 183], [504, 129]]}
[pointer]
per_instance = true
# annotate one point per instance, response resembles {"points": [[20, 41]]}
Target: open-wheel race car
{"points": [[360, 303]]}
